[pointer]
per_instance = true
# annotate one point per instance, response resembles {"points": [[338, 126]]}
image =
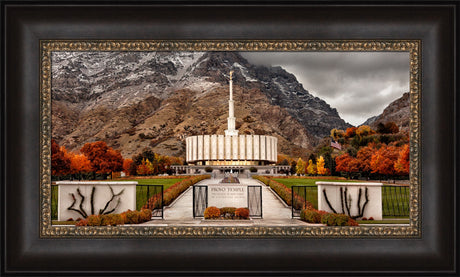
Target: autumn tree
{"points": [[383, 160], [60, 163], [300, 166], [350, 132], [337, 134], [364, 157], [103, 158], [329, 161], [364, 130], [145, 168], [320, 166], [127, 166], [311, 168], [402, 164], [293, 167], [346, 163], [80, 165]]}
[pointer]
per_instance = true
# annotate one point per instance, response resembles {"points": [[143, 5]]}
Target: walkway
{"points": [[274, 211]]}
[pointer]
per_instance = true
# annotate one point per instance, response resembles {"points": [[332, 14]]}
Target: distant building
{"points": [[231, 152]]}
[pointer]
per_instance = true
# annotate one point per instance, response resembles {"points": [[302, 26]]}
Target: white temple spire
{"points": [[231, 131]]}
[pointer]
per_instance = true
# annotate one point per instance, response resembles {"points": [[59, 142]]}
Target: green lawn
{"points": [[305, 182], [142, 191], [165, 182]]}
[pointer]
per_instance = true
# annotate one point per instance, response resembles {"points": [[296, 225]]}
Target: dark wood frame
{"points": [[25, 23]]}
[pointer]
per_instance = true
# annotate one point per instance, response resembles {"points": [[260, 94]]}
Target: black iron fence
{"points": [[395, 200], [300, 196], [155, 194]]}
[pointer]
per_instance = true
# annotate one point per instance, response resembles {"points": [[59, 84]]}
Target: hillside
{"points": [[134, 100]]}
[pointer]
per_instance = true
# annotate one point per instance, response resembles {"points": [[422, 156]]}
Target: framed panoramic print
{"points": [[234, 139]]}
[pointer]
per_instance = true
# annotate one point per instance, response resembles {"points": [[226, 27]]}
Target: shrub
{"points": [[310, 215], [111, 220], [94, 220], [280, 189], [242, 213], [173, 192], [146, 214], [284, 192], [252, 169], [332, 219], [352, 222], [208, 169], [227, 212], [127, 217], [136, 217], [371, 218], [82, 222], [364, 218], [211, 213]]}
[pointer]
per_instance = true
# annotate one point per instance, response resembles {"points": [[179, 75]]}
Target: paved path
{"points": [[274, 211]]}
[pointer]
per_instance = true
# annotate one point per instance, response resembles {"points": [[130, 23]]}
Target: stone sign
{"points": [[228, 196], [76, 199], [364, 199]]}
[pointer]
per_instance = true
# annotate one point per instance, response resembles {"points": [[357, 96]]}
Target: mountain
{"points": [[370, 120], [134, 100], [397, 111]]}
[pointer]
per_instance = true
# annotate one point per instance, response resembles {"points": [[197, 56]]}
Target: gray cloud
{"points": [[358, 84]]}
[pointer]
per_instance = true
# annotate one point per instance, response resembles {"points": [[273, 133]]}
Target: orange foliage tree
{"points": [[103, 158], [364, 130], [321, 170], [145, 168], [350, 132], [347, 163], [364, 157], [127, 163], [383, 160], [402, 164], [311, 168], [80, 164], [60, 162]]}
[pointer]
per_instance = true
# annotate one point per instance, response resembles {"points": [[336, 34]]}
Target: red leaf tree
{"points": [[347, 163], [127, 164], [383, 160], [60, 163], [103, 158], [364, 157], [402, 164]]}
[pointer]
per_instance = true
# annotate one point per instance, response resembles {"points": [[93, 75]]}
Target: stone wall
{"points": [[336, 191], [102, 194]]}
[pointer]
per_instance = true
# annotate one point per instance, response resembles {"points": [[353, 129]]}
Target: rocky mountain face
{"points": [[134, 100], [397, 111]]}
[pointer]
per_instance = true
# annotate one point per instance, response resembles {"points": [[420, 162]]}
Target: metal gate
{"points": [[200, 200], [299, 199], [152, 194], [255, 201]]}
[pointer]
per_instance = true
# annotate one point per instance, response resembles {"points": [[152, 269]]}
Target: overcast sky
{"points": [[358, 85]]}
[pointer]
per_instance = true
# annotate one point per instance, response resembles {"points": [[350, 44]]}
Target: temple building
{"points": [[231, 152]]}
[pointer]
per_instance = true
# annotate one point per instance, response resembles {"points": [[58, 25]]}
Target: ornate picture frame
{"points": [[413, 230], [31, 245]]}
